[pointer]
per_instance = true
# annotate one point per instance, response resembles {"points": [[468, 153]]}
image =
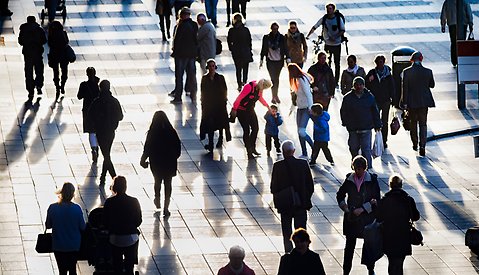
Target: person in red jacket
{"points": [[236, 265]]}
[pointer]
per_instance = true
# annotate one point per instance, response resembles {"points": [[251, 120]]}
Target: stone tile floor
{"points": [[224, 199]]}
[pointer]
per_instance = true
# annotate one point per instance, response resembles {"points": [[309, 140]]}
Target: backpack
{"points": [[338, 16]]}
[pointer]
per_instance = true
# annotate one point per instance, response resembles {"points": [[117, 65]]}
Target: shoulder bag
{"points": [[415, 235], [44, 242]]}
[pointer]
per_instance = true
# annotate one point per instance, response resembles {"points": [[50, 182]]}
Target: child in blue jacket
{"points": [[320, 119], [271, 130]]}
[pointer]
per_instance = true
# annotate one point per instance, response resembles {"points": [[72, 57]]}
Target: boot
{"points": [[94, 154], [219, 144], [168, 33], [166, 212], [164, 36], [157, 202]]}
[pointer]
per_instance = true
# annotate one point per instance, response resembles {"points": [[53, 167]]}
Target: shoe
{"points": [[102, 180], [239, 88], [94, 155], [268, 153], [166, 213], [157, 202], [172, 94], [176, 101], [332, 163], [278, 150], [312, 163], [256, 153], [57, 93], [62, 90], [219, 144], [187, 93], [414, 147], [251, 156], [228, 24], [209, 147], [273, 101], [6, 12], [193, 99], [422, 151], [39, 91], [276, 98], [168, 34], [385, 145]]}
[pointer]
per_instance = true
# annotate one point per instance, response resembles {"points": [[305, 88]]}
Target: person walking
{"points": [[65, 218], [122, 216], [301, 260], [320, 119], [185, 51], [359, 114], [105, 113], [296, 44], [449, 17], [396, 210], [291, 176], [323, 85], [162, 148], [58, 41], [243, 108], [333, 30], [214, 116], [89, 91], [416, 98], [271, 128], [350, 73], [240, 6], [163, 9], [236, 264], [32, 38], [239, 43], [180, 4], [299, 83], [275, 51], [380, 83], [211, 10], [206, 40], [357, 197]]}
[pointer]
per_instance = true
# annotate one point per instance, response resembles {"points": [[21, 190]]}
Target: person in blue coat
{"points": [[271, 130], [320, 119]]}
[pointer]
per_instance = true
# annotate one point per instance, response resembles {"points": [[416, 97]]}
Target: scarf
{"points": [[274, 41], [295, 36], [354, 70], [359, 181], [382, 74]]}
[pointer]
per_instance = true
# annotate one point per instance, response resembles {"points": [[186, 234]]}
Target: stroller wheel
{"points": [[64, 14], [42, 15]]}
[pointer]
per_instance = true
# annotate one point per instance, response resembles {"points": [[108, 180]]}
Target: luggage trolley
{"points": [[58, 6]]}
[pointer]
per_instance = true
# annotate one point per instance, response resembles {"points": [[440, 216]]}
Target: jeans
{"points": [[67, 262], [384, 109], [274, 70], [336, 51], [239, 4], [268, 142], [453, 38], [182, 65], [395, 266], [105, 141], [300, 219], [249, 123], [241, 67], [318, 145], [418, 116], [33, 63], [210, 7], [130, 254], [302, 119], [361, 140], [348, 256]]}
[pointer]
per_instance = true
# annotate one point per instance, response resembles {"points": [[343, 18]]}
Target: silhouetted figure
{"points": [[4, 11], [239, 43], [57, 41], [163, 9], [206, 40]]}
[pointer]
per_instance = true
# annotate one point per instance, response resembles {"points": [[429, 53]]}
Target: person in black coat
{"points": [[362, 191], [162, 148], [214, 116], [380, 83], [287, 173], [324, 84], [301, 260], [104, 115], [89, 91], [239, 43], [122, 217], [395, 210], [57, 41], [32, 38]]}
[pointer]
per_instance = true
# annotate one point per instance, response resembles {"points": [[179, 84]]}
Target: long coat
{"points": [[348, 77], [214, 95], [382, 89], [88, 91], [162, 148], [239, 43], [353, 226], [417, 82], [395, 210]]}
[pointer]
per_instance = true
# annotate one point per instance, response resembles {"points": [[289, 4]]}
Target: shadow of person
{"points": [[91, 197]]}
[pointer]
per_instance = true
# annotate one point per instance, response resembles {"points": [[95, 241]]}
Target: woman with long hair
{"points": [[300, 84], [162, 148], [239, 43], [57, 41], [65, 218]]}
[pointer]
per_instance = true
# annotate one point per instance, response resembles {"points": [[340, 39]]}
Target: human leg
{"points": [[327, 153], [277, 145], [300, 218], [117, 258], [180, 67], [244, 121], [157, 186], [365, 145], [29, 82], [453, 38], [395, 266], [274, 70], [353, 143], [413, 114], [254, 131], [238, 68], [268, 142], [228, 13], [422, 121], [209, 147], [336, 51], [162, 26], [243, 7], [64, 68], [131, 258], [245, 69], [211, 10], [286, 222], [235, 6], [385, 120], [302, 119], [66, 262], [191, 86], [168, 190], [348, 254], [315, 153], [105, 140], [93, 145]]}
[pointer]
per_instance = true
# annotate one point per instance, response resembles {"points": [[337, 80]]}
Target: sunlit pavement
{"points": [[224, 199]]}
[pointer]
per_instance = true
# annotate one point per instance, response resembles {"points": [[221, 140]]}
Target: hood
{"points": [[326, 116], [367, 177]]}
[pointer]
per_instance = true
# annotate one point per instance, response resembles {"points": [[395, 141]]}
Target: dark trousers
{"points": [[395, 266], [33, 63], [180, 4], [241, 67], [348, 256], [300, 219], [211, 137], [165, 24], [453, 38], [274, 70], [167, 182], [249, 123], [3, 5], [187, 65], [240, 6], [211, 10], [228, 11], [336, 51], [384, 109], [418, 116], [124, 258], [318, 145], [268, 142], [105, 141], [67, 262], [56, 73]]}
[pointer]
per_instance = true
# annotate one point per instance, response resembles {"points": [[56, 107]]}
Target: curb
{"points": [[473, 129]]}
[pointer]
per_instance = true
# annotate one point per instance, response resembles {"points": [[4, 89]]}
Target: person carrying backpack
{"points": [[333, 31]]}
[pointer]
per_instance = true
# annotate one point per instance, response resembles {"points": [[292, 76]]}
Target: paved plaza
{"points": [[222, 200]]}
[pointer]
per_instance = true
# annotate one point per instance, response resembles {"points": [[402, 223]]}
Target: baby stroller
{"points": [[53, 8]]}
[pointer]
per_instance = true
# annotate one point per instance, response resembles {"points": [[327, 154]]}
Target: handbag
{"points": [[44, 243], [373, 243], [378, 146], [416, 235], [395, 125], [70, 54], [219, 46], [406, 120]]}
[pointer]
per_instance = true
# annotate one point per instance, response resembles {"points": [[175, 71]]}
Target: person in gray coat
{"points": [[206, 38], [416, 98]]}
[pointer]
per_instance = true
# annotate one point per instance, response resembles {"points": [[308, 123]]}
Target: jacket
{"points": [[304, 98], [323, 79], [214, 95], [67, 223], [353, 226], [105, 113], [417, 82], [32, 38], [382, 89], [239, 43], [293, 172], [449, 13], [395, 210], [122, 214], [266, 46], [361, 113], [246, 100], [207, 41], [347, 79], [307, 264], [321, 127], [88, 91], [163, 7], [57, 42], [226, 270], [272, 123], [185, 44], [297, 47]]}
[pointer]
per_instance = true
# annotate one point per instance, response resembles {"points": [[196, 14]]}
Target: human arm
{"points": [[244, 92], [369, 79], [405, 89], [48, 222], [137, 211], [314, 27], [262, 100], [81, 219], [415, 215], [279, 119], [229, 39], [80, 94], [264, 50], [432, 83], [443, 17], [305, 48], [343, 82], [341, 197], [375, 114]]}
